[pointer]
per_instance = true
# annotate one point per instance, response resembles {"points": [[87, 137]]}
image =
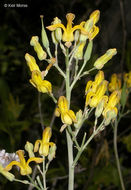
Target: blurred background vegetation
{"points": [[19, 112]]}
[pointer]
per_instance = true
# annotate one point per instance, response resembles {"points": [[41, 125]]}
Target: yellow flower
{"points": [[67, 116], [92, 85], [127, 79], [6, 174], [99, 63], [68, 35], [31, 62], [95, 15], [38, 48], [44, 143], [115, 83], [113, 100], [90, 26], [43, 86], [93, 98], [25, 169]]}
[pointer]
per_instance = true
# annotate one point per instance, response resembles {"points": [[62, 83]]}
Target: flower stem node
{"points": [[38, 48], [100, 62]]}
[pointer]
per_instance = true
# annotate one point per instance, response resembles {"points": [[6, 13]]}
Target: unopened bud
{"points": [[58, 31], [31, 62], [6, 174], [45, 40], [52, 152], [77, 35], [38, 48], [110, 115], [79, 117], [29, 148], [88, 26], [79, 52], [100, 106], [95, 16], [100, 62], [54, 40], [88, 51]]}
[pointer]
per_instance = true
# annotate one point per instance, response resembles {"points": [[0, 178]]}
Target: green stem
{"points": [[53, 98], [68, 137], [117, 157], [33, 183], [85, 145], [44, 174], [79, 74], [59, 69], [40, 111], [70, 161], [68, 92], [23, 181], [39, 182]]}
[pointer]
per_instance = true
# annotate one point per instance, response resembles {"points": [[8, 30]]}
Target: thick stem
{"points": [[68, 137], [70, 161], [117, 157]]}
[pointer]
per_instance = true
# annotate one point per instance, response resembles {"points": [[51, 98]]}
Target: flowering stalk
{"points": [[68, 137], [116, 155]]}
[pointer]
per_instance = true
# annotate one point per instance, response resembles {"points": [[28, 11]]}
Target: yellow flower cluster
{"points": [[96, 98], [95, 90], [44, 150], [87, 29], [127, 79], [67, 116], [36, 80]]}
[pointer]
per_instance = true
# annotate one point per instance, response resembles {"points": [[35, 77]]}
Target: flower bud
{"points": [[110, 115], [79, 117], [58, 31], [31, 62], [29, 148], [77, 35], [38, 48], [88, 51], [79, 52], [45, 40], [6, 174], [54, 37], [99, 63], [88, 26], [100, 106], [52, 152], [95, 15]]}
